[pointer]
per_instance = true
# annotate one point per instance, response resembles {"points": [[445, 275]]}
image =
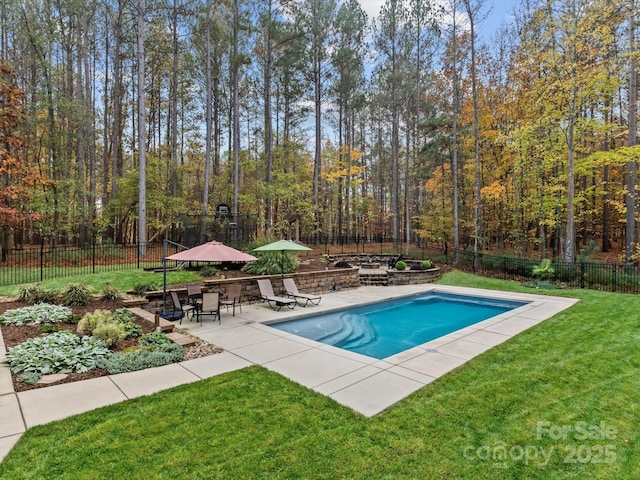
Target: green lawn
{"points": [[123, 280], [485, 420]]}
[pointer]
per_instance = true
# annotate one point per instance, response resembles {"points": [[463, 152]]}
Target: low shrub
{"points": [[125, 317], [90, 321], [141, 288], [108, 326], [426, 264], [209, 271], [110, 332], [271, 263], [49, 328], [121, 362], [40, 313], [109, 292], [76, 294], [155, 339], [34, 293], [400, 265]]}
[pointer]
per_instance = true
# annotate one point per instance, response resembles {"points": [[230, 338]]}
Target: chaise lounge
{"points": [[266, 293], [292, 291]]}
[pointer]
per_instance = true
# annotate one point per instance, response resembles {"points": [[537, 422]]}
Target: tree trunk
{"points": [[630, 198], [142, 121]]}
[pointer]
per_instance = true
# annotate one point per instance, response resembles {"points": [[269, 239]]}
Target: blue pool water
{"points": [[383, 329]]}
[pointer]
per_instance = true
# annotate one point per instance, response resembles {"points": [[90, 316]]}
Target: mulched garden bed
{"points": [[14, 335]]}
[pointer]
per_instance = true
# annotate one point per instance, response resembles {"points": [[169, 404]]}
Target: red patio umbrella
{"points": [[207, 252], [212, 252]]}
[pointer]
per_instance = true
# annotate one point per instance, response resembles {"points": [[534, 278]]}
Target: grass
{"points": [[123, 280], [575, 370]]}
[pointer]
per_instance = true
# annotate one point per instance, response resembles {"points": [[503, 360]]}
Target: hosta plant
{"points": [[40, 313], [154, 339], [125, 317], [60, 352]]}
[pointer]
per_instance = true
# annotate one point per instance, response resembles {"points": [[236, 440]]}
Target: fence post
{"points": [[41, 259], [615, 279], [93, 257], [581, 274]]}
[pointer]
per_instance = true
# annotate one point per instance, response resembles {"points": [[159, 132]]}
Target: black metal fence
{"points": [[582, 274], [30, 265]]}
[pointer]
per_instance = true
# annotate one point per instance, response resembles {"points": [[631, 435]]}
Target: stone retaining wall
{"points": [[308, 282], [413, 277]]}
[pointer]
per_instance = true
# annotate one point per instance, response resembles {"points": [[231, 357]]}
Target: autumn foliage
{"points": [[16, 179]]}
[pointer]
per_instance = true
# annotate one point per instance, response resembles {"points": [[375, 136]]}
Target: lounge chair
{"points": [[179, 310], [266, 293], [210, 306], [292, 290], [234, 297]]}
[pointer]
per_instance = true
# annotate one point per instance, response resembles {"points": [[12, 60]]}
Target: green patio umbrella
{"points": [[283, 246]]}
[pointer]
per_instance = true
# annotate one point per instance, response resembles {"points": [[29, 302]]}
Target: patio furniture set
{"points": [[201, 303]]}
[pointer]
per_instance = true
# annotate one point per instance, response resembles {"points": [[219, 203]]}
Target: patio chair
{"points": [[266, 293], [234, 297], [292, 290], [179, 310], [394, 260], [194, 294], [210, 306]]}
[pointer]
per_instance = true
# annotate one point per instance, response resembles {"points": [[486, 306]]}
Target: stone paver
{"points": [[313, 367], [376, 393], [152, 380], [270, 350], [6, 382], [7, 443], [212, 365], [11, 422], [44, 405]]}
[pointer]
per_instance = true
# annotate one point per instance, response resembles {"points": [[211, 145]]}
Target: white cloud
{"points": [[371, 7]]}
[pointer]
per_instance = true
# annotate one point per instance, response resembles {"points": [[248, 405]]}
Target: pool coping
{"points": [[364, 384]]}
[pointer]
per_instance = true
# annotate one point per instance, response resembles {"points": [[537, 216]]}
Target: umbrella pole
{"points": [[164, 277]]}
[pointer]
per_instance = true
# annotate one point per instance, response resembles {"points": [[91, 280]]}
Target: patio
{"points": [[361, 383]]}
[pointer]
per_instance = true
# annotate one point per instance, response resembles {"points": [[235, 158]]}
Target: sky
{"points": [[499, 10]]}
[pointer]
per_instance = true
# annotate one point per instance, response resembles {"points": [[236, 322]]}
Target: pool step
{"points": [[362, 335], [355, 332], [344, 333]]}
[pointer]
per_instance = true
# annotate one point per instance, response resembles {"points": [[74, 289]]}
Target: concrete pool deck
{"points": [[362, 383]]}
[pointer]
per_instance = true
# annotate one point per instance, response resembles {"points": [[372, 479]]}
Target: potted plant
{"points": [[543, 272]]}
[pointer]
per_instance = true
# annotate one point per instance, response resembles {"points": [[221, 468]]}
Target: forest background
{"points": [[123, 120]]}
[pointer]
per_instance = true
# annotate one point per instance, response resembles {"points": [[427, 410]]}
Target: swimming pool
{"points": [[383, 329]]}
